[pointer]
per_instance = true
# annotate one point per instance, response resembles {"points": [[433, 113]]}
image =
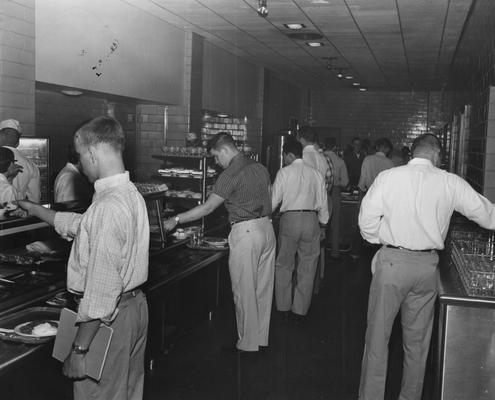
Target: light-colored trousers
{"points": [[299, 234], [407, 281], [251, 265], [123, 373]]}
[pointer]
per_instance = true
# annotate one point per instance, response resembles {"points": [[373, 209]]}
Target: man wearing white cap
{"points": [[27, 182]]}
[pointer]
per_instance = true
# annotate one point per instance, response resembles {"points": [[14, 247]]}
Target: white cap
{"points": [[10, 123]]}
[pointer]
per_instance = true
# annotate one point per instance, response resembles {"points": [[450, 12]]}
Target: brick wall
{"points": [[17, 62], [400, 116]]}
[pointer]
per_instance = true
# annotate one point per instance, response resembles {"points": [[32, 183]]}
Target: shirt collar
{"points": [[3, 179], [420, 161], [298, 160], [71, 166], [111, 181], [380, 153]]}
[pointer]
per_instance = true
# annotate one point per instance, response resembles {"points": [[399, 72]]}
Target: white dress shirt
{"points": [[372, 166], [410, 206], [340, 175], [70, 185], [300, 187], [7, 192], [27, 182], [315, 159]]}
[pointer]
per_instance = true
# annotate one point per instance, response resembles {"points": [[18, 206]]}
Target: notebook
{"points": [[97, 354]]}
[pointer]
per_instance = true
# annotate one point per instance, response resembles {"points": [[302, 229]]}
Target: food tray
{"points": [[207, 247], [26, 315]]}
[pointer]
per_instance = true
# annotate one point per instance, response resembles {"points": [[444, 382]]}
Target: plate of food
{"points": [[37, 329]]}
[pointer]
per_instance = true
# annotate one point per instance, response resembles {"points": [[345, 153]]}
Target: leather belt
{"points": [[403, 248], [245, 220], [301, 211], [124, 296]]}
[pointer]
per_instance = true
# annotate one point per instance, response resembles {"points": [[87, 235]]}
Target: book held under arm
{"points": [[97, 353]]}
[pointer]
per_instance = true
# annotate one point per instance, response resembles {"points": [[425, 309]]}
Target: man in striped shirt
{"points": [[244, 187], [107, 264]]}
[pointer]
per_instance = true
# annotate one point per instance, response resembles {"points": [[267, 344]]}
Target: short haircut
{"points": [[72, 155], [330, 142], [293, 146], [221, 139], [426, 143], [384, 142], [308, 133], [102, 130], [356, 138], [6, 158]]}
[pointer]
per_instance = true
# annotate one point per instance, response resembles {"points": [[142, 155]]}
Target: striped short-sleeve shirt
{"points": [[245, 186]]}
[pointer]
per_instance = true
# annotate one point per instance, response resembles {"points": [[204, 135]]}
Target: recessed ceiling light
{"points": [[295, 26], [362, 89], [314, 44], [355, 84], [71, 92], [349, 77]]}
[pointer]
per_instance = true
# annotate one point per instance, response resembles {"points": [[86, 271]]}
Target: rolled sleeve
{"points": [[67, 224], [224, 185], [104, 284]]}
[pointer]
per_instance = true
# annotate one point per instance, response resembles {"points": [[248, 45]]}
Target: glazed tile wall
{"points": [[473, 73], [399, 116], [17, 63]]}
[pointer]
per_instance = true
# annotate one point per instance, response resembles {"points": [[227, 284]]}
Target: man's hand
{"points": [[322, 233], [26, 205], [74, 366], [13, 171], [169, 224]]}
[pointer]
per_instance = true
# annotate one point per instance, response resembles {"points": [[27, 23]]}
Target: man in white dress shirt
{"points": [[70, 184], [27, 181], [7, 172], [301, 192], [340, 181], [375, 163], [408, 210]]}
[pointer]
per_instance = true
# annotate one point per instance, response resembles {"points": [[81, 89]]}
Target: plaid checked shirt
{"points": [[110, 251]]}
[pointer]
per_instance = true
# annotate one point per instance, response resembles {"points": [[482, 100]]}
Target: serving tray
{"points": [[26, 315]]}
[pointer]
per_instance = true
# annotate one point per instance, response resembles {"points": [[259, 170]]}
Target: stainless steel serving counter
{"points": [[465, 341], [184, 285]]}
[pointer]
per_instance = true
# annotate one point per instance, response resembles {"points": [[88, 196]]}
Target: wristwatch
{"points": [[176, 219], [79, 349]]}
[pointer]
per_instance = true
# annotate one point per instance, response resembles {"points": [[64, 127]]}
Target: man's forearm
{"points": [[86, 332], [42, 213], [195, 213]]}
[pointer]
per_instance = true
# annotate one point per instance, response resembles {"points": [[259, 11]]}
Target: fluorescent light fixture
{"points": [[295, 26], [222, 115], [362, 89], [314, 44], [356, 84], [349, 77], [71, 92]]}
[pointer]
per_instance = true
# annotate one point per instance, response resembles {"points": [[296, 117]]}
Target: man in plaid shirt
{"points": [[107, 264]]}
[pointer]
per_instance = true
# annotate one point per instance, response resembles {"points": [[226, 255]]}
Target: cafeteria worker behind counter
{"points": [[244, 186]]}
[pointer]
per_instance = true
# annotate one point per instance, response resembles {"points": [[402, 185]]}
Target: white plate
{"points": [[26, 328]]}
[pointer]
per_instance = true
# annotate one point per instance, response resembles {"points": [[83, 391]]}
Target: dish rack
{"points": [[476, 266]]}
